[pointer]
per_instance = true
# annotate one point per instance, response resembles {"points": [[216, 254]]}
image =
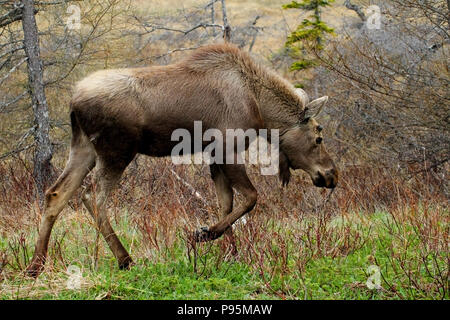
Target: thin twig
{"points": [[13, 69], [190, 187]]}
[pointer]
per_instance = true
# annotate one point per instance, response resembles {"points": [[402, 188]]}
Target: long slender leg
{"points": [[224, 194], [105, 180], [239, 180], [81, 161], [223, 190]]}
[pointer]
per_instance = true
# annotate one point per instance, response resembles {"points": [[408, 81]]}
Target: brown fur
{"points": [[116, 114]]}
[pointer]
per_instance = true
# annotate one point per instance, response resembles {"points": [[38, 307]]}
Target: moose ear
{"points": [[315, 107], [303, 95]]}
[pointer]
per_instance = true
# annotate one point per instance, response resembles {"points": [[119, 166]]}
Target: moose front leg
{"points": [[238, 179]]}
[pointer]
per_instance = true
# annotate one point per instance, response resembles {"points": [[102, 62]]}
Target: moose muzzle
{"points": [[326, 179]]}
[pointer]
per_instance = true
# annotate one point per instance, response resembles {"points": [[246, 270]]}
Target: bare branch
{"points": [[185, 32], [211, 4], [4, 105], [255, 34], [10, 17], [190, 187], [355, 8], [16, 13], [226, 29], [175, 50], [13, 69], [11, 51], [15, 151], [13, 15], [52, 3]]}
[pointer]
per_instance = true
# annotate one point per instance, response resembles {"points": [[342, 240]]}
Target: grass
{"points": [[282, 262]]}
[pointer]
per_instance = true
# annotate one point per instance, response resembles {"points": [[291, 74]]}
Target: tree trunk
{"points": [[226, 26], [317, 15], [43, 170], [448, 13], [213, 13]]}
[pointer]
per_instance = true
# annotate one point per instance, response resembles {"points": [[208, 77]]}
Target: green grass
{"points": [[409, 270]]}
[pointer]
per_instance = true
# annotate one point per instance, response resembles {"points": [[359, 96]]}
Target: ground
{"points": [[288, 261]]}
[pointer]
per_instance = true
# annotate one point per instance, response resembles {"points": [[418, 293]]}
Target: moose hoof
{"points": [[126, 264], [204, 234], [34, 270]]}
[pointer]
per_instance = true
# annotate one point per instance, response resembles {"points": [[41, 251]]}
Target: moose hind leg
{"points": [[106, 178], [224, 194], [81, 161], [239, 180]]}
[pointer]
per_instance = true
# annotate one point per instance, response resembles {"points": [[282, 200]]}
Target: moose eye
{"points": [[304, 121], [319, 128], [319, 140]]}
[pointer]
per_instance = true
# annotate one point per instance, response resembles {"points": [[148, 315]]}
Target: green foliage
{"points": [[309, 33], [303, 64], [308, 4], [391, 245]]}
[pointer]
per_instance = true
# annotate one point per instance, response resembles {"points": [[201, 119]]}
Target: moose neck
{"points": [[276, 109], [280, 106]]}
